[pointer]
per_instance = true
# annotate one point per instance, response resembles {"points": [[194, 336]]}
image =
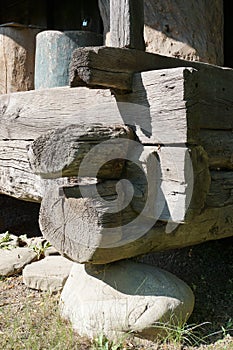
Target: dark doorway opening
{"points": [[228, 33], [53, 14]]}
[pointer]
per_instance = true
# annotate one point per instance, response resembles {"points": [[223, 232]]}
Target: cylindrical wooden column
{"points": [[53, 55], [17, 58]]}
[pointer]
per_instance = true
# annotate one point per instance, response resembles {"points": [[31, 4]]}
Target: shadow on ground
{"points": [[208, 269]]}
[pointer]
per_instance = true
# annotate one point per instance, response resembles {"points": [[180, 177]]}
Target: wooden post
{"points": [[53, 54], [126, 23], [179, 28], [17, 58]]}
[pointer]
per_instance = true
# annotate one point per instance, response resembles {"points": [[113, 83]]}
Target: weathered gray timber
{"points": [[181, 99], [161, 177], [174, 199], [113, 67], [170, 107], [83, 230], [59, 153], [167, 208], [180, 29], [127, 23]]}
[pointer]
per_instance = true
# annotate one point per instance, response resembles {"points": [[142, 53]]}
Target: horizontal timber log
{"points": [[97, 66], [82, 228], [171, 107], [60, 153], [161, 101]]}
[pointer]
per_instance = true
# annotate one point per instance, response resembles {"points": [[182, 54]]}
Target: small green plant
{"points": [[5, 241], [41, 248], [225, 330], [103, 343], [180, 332]]}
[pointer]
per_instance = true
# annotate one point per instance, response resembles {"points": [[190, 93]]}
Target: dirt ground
{"points": [[206, 268]]}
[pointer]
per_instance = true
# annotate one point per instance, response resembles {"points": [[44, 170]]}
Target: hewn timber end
{"points": [[113, 67], [98, 149]]}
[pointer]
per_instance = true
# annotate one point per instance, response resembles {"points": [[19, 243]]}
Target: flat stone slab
{"points": [[124, 297], [49, 274], [12, 261]]}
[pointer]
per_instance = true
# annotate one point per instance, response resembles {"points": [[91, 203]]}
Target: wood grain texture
{"points": [[179, 29], [83, 230], [92, 77], [167, 107], [156, 106], [98, 149], [127, 23], [161, 100], [17, 58], [97, 66], [169, 182], [16, 177]]}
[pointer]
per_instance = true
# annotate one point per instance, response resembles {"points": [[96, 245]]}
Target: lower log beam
{"points": [[82, 229]]}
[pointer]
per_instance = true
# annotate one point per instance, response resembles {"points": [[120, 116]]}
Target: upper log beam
{"points": [[113, 67], [166, 106], [127, 24]]}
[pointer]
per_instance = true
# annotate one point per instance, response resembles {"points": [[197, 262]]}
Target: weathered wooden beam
{"points": [[60, 153], [156, 106], [97, 66], [83, 230], [96, 78], [170, 187], [181, 99], [170, 107], [127, 24]]}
